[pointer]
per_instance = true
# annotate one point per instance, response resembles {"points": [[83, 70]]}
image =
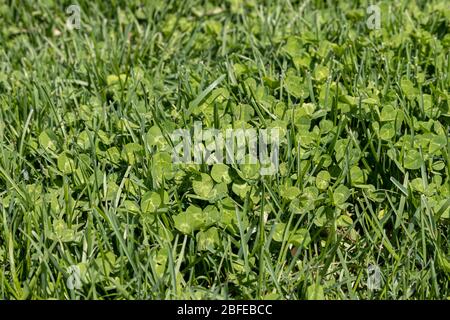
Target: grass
{"points": [[91, 206]]}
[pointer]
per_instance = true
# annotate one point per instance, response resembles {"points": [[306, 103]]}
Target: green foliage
{"points": [[88, 183]]}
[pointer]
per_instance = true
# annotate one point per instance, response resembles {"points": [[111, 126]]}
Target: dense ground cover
{"points": [[92, 207]]}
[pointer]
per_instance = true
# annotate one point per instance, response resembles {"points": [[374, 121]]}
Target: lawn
{"points": [[93, 204]]}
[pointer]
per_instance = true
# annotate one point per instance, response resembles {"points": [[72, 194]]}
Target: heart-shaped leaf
{"points": [[412, 160], [208, 240], [65, 164], [150, 202], [203, 185], [387, 131], [340, 195], [323, 180], [290, 193], [295, 86], [220, 173]]}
